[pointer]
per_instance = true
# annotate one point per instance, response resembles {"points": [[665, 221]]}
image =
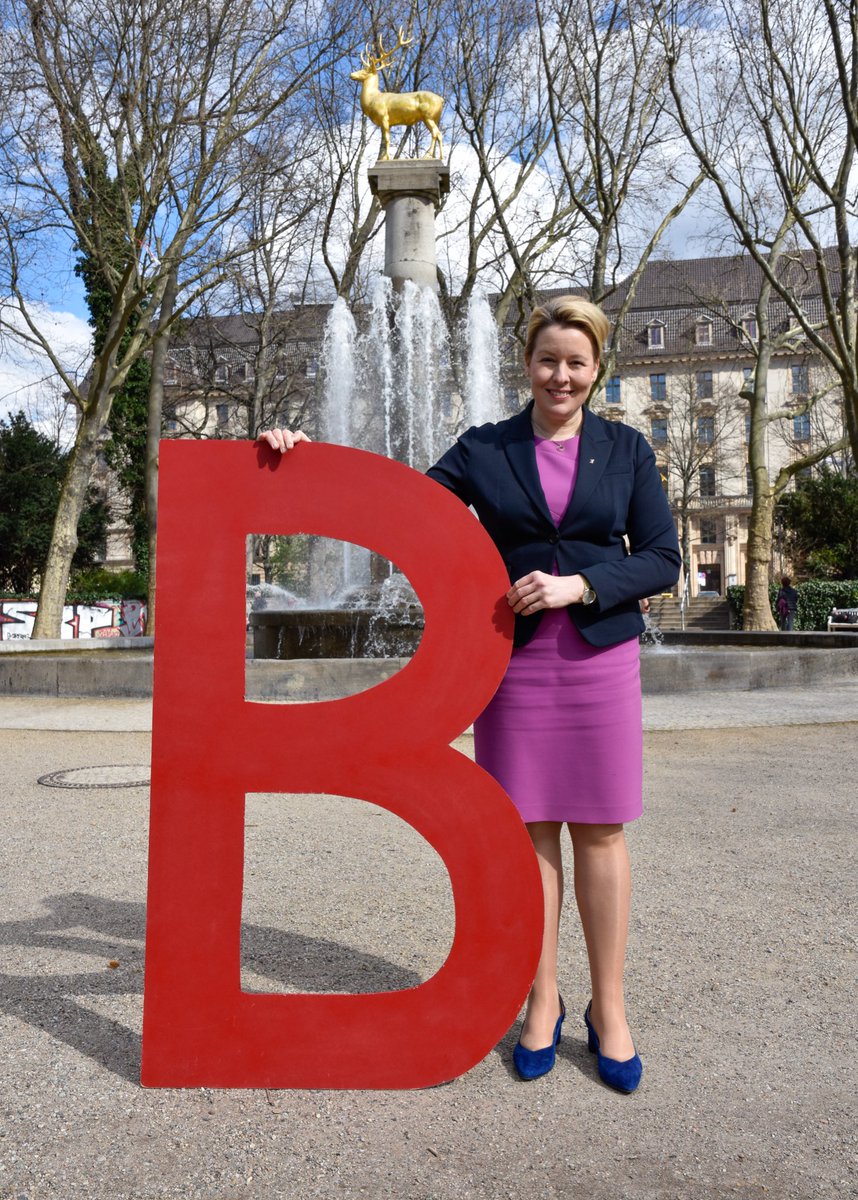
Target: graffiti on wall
{"points": [[106, 618]]}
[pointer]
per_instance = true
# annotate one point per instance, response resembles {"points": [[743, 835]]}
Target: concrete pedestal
{"points": [[411, 192]]}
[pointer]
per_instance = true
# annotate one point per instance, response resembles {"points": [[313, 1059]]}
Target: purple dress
{"points": [[563, 733]]}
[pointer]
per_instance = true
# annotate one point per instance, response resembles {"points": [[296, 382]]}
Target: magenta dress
{"points": [[563, 734]]}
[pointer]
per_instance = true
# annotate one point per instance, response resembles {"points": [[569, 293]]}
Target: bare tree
{"points": [[511, 223], [129, 126], [614, 142], [766, 115]]}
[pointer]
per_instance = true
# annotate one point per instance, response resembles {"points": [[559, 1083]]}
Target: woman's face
{"points": [[562, 369]]}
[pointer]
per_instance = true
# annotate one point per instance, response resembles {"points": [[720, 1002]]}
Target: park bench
{"points": [[843, 618]]}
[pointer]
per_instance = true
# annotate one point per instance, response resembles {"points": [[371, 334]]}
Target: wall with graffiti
{"points": [[107, 618]]}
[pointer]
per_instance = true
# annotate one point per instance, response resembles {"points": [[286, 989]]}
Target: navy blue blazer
{"points": [[618, 492]]}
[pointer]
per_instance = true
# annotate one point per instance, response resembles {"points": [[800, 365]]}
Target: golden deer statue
{"points": [[396, 108]]}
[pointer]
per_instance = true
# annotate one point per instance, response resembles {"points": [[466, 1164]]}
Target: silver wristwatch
{"points": [[589, 596]]}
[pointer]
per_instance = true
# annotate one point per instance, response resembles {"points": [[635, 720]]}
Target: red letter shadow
{"points": [[389, 745]]}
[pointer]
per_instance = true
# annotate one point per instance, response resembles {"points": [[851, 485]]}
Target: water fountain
{"points": [[388, 387]]}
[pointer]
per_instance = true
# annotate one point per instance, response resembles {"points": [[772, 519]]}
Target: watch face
{"points": [[589, 596]]}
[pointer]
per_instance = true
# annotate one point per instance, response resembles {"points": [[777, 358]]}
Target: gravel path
{"points": [[741, 981]]}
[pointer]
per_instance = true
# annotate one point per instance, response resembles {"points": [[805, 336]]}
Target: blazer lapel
{"points": [[593, 454], [521, 455]]}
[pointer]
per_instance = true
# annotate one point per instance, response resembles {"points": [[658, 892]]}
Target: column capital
{"points": [[427, 178]]}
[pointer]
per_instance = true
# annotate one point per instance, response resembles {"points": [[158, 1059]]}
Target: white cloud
{"points": [[28, 380]]}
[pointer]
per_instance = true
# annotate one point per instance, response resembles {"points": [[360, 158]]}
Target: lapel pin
{"points": [[592, 460]]}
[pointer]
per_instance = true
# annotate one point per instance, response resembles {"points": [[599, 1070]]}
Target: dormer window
{"points": [[749, 327], [221, 373], [655, 335], [703, 332]]}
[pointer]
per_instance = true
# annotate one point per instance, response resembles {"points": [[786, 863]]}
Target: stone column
{"points": [[410, 191]]}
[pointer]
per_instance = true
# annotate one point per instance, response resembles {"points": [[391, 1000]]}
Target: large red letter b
{"points": [[389, 745]]}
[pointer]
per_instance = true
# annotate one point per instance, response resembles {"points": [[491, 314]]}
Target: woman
{"points": [[576, 508]]}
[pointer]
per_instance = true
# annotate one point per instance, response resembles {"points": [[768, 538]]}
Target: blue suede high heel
{"points": [[622, 1076], [530, 1064]]}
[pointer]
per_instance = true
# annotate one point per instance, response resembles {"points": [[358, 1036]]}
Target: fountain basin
{"points": [[689, 662], [715, 660], [329, 633]]}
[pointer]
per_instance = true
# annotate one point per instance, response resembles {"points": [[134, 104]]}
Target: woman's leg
{"points": [[543, 1006], [603, 893]]}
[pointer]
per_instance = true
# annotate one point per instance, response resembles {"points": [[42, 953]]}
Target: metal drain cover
{"points": [[99, 777]]}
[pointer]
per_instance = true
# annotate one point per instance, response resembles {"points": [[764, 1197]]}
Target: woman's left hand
{"points": [[537, 591]]}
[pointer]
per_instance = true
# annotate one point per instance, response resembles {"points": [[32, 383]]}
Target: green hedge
{"points": [[816, 598], [95, 583]]}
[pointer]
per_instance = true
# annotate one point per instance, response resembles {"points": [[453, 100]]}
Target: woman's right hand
{"points": [[282, 439]]}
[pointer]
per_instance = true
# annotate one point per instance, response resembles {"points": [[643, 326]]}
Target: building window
{"points": [[703, 333], [171, 425], [704, 385], [707, 481], [655, 336], [801, 427], [658, 430], [663, 473], [800, 381], [510, 399], [612, 390], [749, 480], [221, 373], [749, 328], [658, 387], [706, 429], [747, 427], [709, 532], [312, 368], [222, 413]]}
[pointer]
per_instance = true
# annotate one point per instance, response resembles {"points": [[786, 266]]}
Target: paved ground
{"points": [[741, 981]]}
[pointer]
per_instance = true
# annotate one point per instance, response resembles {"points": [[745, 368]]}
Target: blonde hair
{"points": [[569, 312]]}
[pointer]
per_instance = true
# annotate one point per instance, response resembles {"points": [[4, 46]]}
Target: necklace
{"points": [[556, 443]]}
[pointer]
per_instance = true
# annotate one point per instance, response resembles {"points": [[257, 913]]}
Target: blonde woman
{"points": [[576, 508]]}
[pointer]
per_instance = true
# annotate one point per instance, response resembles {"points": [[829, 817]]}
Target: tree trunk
{"points": [[55, 578], [850, 411], [758, 609], [153, 439], [685, 541]]}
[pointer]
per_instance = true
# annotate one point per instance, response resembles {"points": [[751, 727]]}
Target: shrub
{"points": [[96, 583], [816, 598]]}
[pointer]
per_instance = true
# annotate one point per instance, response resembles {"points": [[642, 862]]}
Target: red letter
{"points": [[389, 745]]}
